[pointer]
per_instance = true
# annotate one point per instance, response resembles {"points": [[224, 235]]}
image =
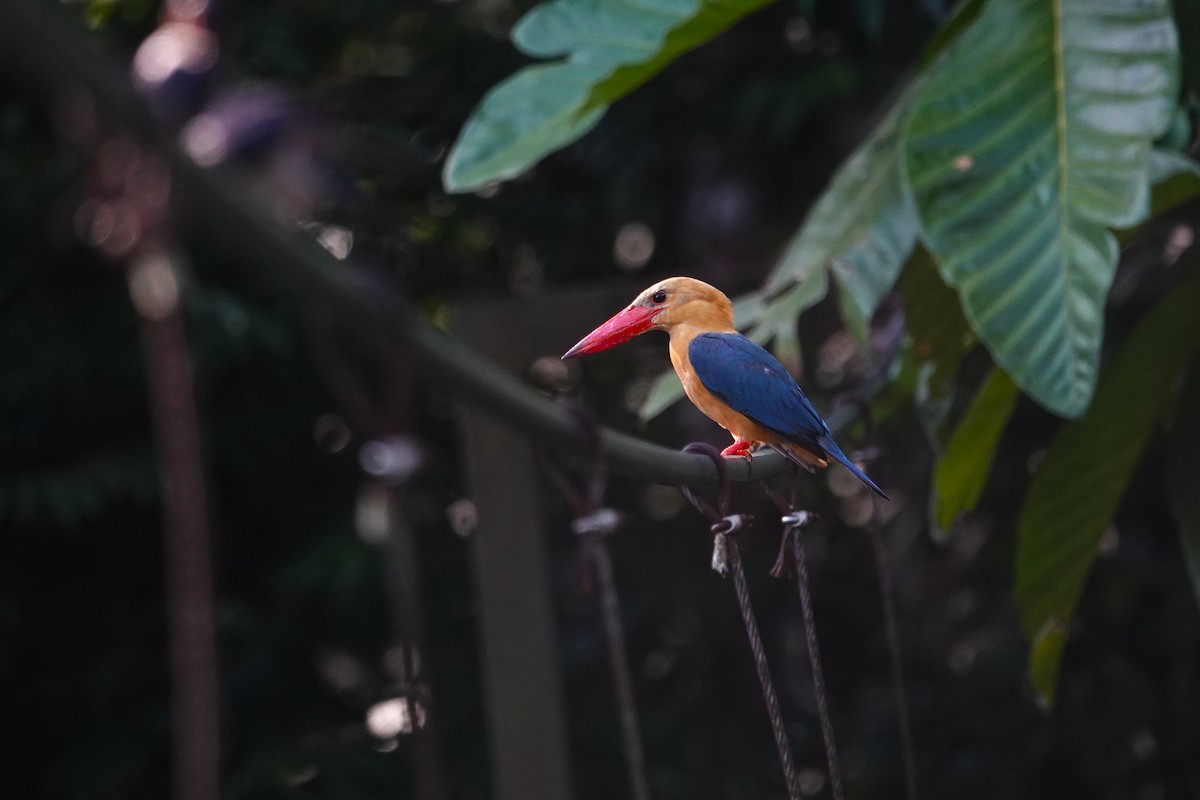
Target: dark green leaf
{"points": [[665, 391], [1083, 476], [1028, 142], [1175, 179], [607, 49], [961, 471], [939, 338], [863, 227], [962, 17]]}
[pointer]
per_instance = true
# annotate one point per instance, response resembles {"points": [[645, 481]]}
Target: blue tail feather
{"points": [[831, 449]]}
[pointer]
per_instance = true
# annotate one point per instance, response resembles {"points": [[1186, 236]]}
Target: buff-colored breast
{"points": [[737, 423]]}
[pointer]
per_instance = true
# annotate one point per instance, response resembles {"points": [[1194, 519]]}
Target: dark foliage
{"points": [[718, 157]]}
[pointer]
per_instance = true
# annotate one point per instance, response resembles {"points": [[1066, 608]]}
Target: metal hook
{"points": [[724, 524], [798, 519], [792, 520]]}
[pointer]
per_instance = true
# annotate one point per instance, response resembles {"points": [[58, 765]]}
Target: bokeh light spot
{"points": [[662, 502], [174, 47], [153, 286], [206, 140], [331, 433], [337, 240], [633, 246], [391, 717], [463, 517]]}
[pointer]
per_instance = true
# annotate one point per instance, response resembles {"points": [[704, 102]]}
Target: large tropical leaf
{"points": [[1175, 179], [862, 228], [1081, 480], [607, 48], [1028, 142]]}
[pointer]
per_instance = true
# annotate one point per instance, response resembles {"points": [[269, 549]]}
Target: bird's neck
{"points": [[689, 320], [682, 334], [686, 331]]}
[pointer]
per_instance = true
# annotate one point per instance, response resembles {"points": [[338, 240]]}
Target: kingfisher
{"points": [[732, 380]]}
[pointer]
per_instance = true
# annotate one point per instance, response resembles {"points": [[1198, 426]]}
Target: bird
{"points": [[732, 380]]}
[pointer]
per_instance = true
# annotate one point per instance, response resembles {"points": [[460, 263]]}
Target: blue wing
{"points": [[749, 380]]}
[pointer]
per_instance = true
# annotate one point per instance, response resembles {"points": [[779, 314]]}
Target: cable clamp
{"points": [[722, 530], [797, 519]]}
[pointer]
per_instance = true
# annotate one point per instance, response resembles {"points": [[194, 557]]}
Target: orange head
{"points": [[663, 306]]}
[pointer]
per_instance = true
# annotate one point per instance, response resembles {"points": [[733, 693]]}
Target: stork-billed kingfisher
{"points": [[734, 381]]}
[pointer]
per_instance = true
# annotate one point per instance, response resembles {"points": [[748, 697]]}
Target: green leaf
{"points": [[1045, 654], [1080, 482], [1163, 165], [778, 322], [665, 391], [782, 310], [1175, 179], [1028, 142], [866, 273], [862, 228], [607, 48], [520, 121], [1183, 476], [939, 339], [960, 473], [961, 17], [1180, 130]]}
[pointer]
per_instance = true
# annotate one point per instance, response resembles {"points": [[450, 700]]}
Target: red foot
{"points": [[740, 447]]}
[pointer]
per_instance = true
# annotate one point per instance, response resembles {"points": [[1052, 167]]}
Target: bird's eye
{"points": [[659, 297]]}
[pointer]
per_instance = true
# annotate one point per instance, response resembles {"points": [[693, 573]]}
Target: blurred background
{"points": [[338, 119]]}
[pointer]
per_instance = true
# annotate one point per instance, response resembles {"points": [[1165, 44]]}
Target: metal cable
{"points": [[814, 658], [793, 563], [725, 527], [790, 775], [888, 601]]}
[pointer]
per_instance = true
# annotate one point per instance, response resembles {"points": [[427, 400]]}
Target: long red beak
{"points": [[621, 328]]}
